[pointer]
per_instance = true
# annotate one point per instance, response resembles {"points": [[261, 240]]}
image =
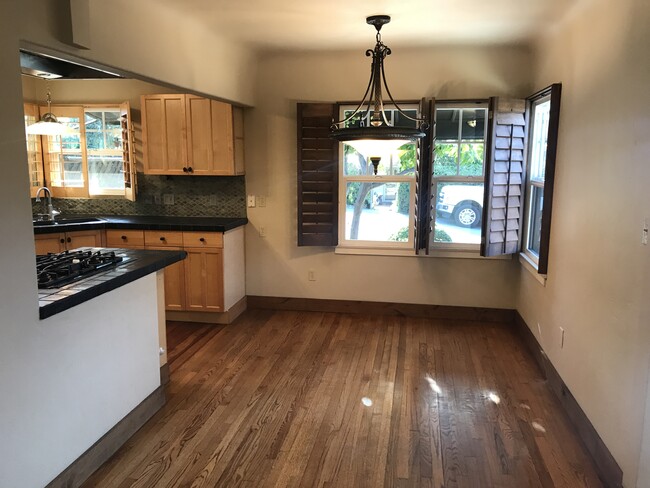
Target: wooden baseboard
{"points": [[209, 317], [86, 464], [164, 374], [608, 469], [382, 308]]}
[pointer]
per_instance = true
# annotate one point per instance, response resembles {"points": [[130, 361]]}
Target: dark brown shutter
{"points": [[423, 175], [318, 176], [504, 177], [549, 176]]}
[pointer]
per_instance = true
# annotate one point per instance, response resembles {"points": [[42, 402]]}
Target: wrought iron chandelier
{"points": [[379, 135]]}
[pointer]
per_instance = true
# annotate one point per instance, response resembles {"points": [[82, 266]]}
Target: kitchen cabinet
{"points": [[189, 135], [63, 241], [204, 280]]}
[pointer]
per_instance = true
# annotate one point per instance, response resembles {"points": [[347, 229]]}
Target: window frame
{"points": [[437, 180], [343, 180]]}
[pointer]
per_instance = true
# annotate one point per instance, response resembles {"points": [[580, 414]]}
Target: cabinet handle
{"points": [[190, 169], [162, 238], [124, 238], [202, 239], [62, 241], [69, 239], [184, 169]]}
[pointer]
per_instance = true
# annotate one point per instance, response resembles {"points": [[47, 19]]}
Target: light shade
{"points": [[48, 126]]}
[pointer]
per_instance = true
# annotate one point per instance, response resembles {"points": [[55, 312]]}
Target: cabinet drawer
{"points": [[163, 238], [121, 238], [202, 239]]}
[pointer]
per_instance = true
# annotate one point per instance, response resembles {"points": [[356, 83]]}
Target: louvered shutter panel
{"points": [[128, 152], [318, 158], [504, 177], [423, 179]]}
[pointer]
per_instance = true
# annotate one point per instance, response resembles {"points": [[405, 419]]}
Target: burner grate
{"points": [[56, 270]]}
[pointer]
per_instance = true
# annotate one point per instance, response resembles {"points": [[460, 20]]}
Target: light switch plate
{"points": [[251, 201], [168, 199]]}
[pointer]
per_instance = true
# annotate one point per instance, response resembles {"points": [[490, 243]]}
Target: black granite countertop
{"points": [[137, 263], [70, 223]]}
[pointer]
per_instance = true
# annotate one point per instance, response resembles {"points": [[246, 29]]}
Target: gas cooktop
{"points": [[59, 269]]}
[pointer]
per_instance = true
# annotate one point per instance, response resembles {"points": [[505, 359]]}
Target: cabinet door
{"points": [[83, 238], [199, 135], [164, 137], [238, 135], [174, 282], [222, 138], [204, 280], [46, 243]]}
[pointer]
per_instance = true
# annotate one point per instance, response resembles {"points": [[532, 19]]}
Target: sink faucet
{"points": [[47, 203]]}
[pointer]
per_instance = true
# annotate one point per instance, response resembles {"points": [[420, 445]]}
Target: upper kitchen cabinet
{"points": [[191, 135]]}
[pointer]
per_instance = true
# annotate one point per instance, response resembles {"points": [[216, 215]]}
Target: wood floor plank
{"points": [[305, 399]]}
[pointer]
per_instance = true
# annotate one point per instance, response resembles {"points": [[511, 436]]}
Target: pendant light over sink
{"points": [[379, 137], [49, 124]]}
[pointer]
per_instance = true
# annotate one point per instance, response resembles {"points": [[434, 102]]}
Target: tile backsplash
{"points": [[203, 196]]}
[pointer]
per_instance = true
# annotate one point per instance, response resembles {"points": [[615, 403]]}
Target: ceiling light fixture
{"points": [[49, 124], [379, 137]]}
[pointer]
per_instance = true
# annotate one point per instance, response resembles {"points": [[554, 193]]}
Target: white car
{"points": [[463, 203]]}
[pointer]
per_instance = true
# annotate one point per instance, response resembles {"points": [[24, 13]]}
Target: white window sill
{"points": [[531, 267], [453, 254]]}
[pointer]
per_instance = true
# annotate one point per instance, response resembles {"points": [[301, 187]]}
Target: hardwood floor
{"points": [[303, 399]]}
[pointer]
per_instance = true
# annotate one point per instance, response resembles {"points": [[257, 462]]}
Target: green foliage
{"points": [[441, 236], [402, 235], [448, 163], [403, 199]]}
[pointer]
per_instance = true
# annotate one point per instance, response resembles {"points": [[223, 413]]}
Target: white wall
{"points": [[44, 364], [598, 283], [275, 265]]}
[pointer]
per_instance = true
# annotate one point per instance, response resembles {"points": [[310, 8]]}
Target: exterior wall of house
{"points": [[598, 278]]}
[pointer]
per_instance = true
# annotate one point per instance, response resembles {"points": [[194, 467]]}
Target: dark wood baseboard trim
{"points": [[164, 374], [608, 469], [86, 464], [382, 308]]}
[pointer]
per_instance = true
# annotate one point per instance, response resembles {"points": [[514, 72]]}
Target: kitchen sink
{"points": [[63, 221]]}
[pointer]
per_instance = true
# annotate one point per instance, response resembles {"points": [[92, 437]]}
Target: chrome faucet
{"points": [[49, 210]]}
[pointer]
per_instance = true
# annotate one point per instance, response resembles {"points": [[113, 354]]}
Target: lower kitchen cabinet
{"points": [[174, 282], [63, 241], [204, 280]]}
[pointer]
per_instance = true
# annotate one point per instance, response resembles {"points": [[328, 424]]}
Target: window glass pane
{"points": [[538, 140], [377, 211], [535, 223], [104, 151], [471, 159], [459, 207], [446, 159], [73, 170], [473, 126], [447, 121], [399, 161]]}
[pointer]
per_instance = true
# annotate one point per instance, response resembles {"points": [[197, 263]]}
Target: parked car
{"points": [[463, 203]]}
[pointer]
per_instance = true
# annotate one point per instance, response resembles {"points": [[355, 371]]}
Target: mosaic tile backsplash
{"points": [[204, 196]]}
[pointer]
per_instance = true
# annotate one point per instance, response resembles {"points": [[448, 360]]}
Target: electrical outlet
{"points": [[261, 201], [262, 231], [251, 201], [644, 234], [157, 199], [168, 199], [311, 275], [213, 200]]}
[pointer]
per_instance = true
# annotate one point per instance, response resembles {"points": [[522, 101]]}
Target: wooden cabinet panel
{"points": [[191, 135], [163, 238], [46, 243], [83, 238], [204, 280], [164, 134], [174, 282], [202, 239], [132, 239]]}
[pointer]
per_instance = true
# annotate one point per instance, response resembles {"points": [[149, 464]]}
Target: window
{"points": [[94, 158], [377, 210], [458, 174], [542, 143], [34, 153]]}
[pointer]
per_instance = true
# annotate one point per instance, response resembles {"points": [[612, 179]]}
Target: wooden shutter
{"points": [[318, 177], [34, 151], [128, 152], [549, 177], [504, 177], [423, 176]]}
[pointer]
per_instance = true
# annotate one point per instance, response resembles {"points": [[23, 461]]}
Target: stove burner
{"points": [[56, 270]]}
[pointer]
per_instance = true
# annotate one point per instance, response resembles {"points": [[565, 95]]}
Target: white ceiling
{"points": [[340, 24]]}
